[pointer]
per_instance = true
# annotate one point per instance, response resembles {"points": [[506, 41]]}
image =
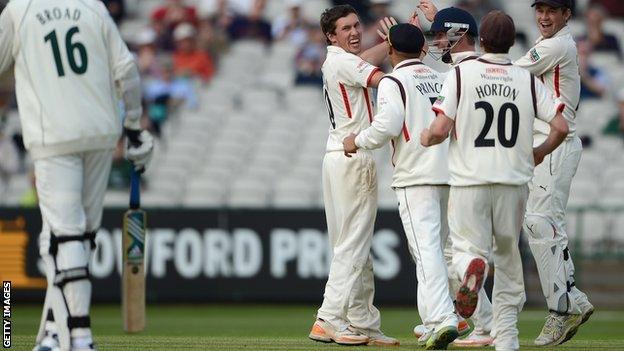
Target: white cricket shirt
{"points": [[555, 62], [67, 55], [459, 57], [345, 81], [493, 104], [404, 100]]}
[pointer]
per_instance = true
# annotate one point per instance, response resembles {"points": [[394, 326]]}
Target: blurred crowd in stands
{"points": [[179, 48]]}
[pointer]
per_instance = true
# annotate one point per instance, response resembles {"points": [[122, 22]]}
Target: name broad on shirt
{"points": [[56, 14]]}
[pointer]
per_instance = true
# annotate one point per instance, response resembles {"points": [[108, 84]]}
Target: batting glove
{"points": [[139, 147]]}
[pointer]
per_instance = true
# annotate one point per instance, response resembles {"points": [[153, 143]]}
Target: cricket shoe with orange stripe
{"points": [[468, 295], [325, 332]]}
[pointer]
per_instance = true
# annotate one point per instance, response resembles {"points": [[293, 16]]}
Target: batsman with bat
{"points": [[70, 66]]}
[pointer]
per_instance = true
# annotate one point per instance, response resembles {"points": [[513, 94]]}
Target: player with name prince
{"points": [[420, 174]]}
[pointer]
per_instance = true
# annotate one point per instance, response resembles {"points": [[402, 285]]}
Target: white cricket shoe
{"points": [[444, 334], [49, 343], [587, 309], [82, 344], [441, 338], [463, 327], [558, 329], [475, 339], [377, 337], [325, 332]]}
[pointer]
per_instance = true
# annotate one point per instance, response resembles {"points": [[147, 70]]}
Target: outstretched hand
{"points": [[428, 9], [384, 26]]}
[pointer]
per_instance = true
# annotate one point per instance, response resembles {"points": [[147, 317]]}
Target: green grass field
{"points": [[274, 327]]}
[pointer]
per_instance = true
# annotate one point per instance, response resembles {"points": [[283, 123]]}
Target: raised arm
{"points": [[378, 53]]}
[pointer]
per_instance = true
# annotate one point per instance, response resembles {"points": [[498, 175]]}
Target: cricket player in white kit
{"points": [[70, 64], [453, 35], [554, 60], [420, 174], [347, 315], [489, 106]]}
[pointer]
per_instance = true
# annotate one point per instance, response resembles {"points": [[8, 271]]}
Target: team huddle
{"points": [[480, 154]]}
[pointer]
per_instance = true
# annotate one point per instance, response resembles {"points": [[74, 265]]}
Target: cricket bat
{"points": [[133, 271]]}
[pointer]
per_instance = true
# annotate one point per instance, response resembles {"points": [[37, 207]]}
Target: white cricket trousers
{"points": [[545, 225], [476, 213], [482, 317], [350, 197], [423, 213], [71, 192]]}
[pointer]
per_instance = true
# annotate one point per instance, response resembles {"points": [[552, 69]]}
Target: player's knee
{"points": [[538, 227], [69, 252], [71, 255]]}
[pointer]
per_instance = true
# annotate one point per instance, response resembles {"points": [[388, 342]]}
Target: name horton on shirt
{"points": [[222, 255]]}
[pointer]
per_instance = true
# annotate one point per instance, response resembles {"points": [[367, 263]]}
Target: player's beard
{"points": [[447, 58]]}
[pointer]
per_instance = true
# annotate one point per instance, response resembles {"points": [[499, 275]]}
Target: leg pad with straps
{"points": [[79, 322], [70, 275]]}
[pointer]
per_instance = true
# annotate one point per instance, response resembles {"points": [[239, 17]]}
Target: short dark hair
{"points": [[331, 15], [497, 32]]}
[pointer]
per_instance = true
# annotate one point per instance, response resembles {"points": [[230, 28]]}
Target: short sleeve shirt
{"points": [[346, 78]]}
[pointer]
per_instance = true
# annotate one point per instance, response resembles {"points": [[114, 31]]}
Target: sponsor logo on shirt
{"points": [[495, 70], [534, 55], [439, 100]]}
